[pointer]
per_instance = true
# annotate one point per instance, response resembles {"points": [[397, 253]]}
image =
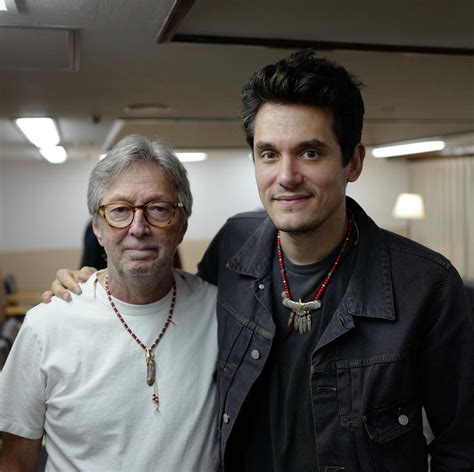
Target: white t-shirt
{"points": [[75, 373]]}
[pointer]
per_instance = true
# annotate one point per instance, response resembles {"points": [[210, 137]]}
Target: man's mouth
{"points": [[291, 199], [140, 250]]}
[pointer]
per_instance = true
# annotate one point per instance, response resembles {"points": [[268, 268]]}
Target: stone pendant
{"points": [[150, 367]]}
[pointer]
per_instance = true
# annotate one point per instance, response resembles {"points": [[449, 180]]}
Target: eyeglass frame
{"points": [[134, 208]]}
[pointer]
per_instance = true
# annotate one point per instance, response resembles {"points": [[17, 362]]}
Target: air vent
{"points": [[38, 48]]}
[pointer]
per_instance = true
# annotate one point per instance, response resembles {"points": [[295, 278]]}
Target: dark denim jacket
{"points": [[400, 339]]}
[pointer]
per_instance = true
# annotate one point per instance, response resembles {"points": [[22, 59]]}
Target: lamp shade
{"points": [[409, 206]]}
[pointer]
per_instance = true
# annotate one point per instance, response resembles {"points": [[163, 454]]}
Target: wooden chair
{"points": [[17, 303]]}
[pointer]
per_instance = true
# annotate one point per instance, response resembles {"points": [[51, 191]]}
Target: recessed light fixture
{"points": [[54, 154], [191, 156], [146, 109], [42, 132], [408, 148]]}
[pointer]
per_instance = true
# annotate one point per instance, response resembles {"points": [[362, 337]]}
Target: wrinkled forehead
{"points": [[140, 183]]}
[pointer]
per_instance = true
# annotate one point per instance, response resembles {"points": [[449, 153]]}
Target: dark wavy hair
{"points": [[304, 78]]}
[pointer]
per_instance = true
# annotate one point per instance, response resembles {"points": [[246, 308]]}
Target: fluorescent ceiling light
{"points": [[191, 156], [409, 148], [42, 132], [458, 150], [8, 5], [54, 154]]}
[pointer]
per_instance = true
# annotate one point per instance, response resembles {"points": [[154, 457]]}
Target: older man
{"points": [[333, 333], [122, 377]]}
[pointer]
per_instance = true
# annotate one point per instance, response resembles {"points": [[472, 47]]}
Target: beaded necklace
{"points": [[149, 356], [300, 317]]}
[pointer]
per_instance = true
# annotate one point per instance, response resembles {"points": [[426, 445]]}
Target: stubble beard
{"points": [[304, 229], [155, 269]]}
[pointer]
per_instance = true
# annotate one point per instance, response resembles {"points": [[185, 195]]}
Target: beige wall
{"points": [[34, 270], [191, 253]]}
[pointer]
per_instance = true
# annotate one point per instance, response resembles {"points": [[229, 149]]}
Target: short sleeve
{"points": [[22, 387]]}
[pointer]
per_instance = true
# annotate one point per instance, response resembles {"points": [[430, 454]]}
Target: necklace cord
{"points": [[149, 356], [300, 315]]}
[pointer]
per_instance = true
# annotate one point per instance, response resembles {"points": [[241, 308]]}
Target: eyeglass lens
{"points": [[121, 215]]}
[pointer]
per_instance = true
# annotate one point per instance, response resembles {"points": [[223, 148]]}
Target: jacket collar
{"points": [[255, 256], [369, 293]]}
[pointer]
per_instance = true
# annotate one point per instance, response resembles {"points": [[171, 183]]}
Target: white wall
{"points": [[43, 206], [378, 187], [222, 186]]}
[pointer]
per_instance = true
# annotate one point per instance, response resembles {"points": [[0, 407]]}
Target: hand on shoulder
{"points": [[67, 281]]}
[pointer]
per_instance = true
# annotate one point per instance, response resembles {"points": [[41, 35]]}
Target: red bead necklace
{"points": [[149, 356], [300, 317]]}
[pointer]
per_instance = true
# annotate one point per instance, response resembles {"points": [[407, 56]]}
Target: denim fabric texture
{"points": [[401, 339]]}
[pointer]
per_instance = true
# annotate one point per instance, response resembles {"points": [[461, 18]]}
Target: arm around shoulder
{"points": [[66, 281], [20, 454]]}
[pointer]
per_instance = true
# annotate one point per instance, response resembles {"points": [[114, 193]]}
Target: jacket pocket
{"points": [[383, 425], [396, 438]]}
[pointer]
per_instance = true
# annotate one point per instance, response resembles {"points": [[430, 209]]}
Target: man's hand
{"points": [[68, 281]]}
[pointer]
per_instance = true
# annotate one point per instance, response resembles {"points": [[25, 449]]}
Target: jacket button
{"points": [[403, 420], [261, 286], [255, 354], [225, 417]]}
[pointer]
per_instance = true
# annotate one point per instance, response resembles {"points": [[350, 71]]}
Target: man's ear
{"points": [[356, 163], [183, 230], [97, 233]]}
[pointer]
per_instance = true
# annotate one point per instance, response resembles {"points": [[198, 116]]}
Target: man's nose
{"points": [[140, 226], [289, 172]]}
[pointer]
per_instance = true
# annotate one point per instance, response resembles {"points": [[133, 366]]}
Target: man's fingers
{"points": [[46, 296], [65, 279], [60, 291], [85, 273]]}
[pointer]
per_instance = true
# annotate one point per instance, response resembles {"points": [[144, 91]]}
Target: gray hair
{"points": [[128, 151]]}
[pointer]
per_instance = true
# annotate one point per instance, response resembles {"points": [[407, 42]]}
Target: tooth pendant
{"points": [[301, 321], [150, 367]]}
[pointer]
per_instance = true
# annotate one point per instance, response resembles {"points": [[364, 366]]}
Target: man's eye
{"points": [[118, 213], [267, 155], [311, 154], [157, 208], [119, 210]]}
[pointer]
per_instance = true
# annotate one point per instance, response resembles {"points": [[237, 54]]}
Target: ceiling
{"points": [[83, 62]]}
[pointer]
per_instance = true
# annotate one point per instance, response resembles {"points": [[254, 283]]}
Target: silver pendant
{"points": [[300, 313], [150, 367]]}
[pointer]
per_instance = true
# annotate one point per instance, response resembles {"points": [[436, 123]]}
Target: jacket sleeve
{"points": [[208, 268], [447, 377]]}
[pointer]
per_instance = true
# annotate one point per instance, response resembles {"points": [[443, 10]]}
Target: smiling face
{"points": [[298, 167], [140, 249]]}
